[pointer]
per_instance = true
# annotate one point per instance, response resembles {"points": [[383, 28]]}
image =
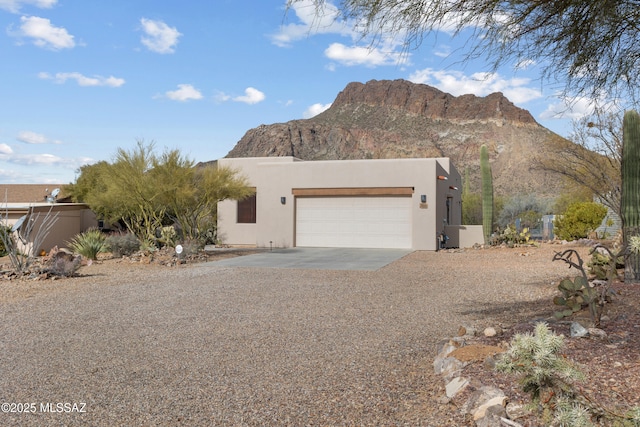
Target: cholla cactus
{"points": [[546, 375], [537, 358]]}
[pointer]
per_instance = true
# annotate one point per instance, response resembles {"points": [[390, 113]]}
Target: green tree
{"points": [[192, 193], [563, 201], [579, 220], [593, 43], [91, 180], [146, 191], [471, 203]]}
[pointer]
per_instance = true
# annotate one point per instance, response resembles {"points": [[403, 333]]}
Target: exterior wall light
{"points": [[423, 198], [442, 178], [451, 187], [283, 200]]}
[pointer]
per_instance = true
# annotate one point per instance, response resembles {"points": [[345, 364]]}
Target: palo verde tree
{"points": [[594, 44], [191, 193], [146, 191]]}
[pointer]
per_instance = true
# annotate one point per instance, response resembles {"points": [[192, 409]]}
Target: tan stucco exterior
{"points": [[71, 219], [277, 177]]}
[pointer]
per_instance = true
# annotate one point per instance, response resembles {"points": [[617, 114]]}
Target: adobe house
{"points": [[385, 203], [40, 200]]}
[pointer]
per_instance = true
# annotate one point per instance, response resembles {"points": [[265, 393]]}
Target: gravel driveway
{"points": [[228, 346]]}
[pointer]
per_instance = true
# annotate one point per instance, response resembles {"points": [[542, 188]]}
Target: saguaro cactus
{"points": [[487, 194], [630, 200]]}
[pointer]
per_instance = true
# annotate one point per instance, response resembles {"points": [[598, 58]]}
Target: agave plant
{"points": [[88, 243]]}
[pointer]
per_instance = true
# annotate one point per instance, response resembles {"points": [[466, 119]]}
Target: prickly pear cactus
{"points": [[487, 194], [575, 295], [630, 200]]}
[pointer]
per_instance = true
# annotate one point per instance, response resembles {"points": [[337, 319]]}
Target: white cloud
{"points": [[251, 96], [44, 34], [29, 137], [443, 51], [525, 64], [315, 109], [479, 84], [41, 159], [569, 108], [83, 80], [5, 150], [222, 97], [15, 5], [184, 93], [44, 160], [357, 55], [325, 19], [313, 20], [160, 38]]}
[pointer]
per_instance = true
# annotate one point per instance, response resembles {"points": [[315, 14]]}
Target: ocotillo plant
{"points": [[630, 200], [487, 194]]}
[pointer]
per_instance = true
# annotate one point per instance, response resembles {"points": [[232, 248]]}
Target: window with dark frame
{"points": [[247, 210]]}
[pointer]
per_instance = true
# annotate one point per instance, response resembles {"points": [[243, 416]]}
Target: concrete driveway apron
{"points": [[318, 258]]}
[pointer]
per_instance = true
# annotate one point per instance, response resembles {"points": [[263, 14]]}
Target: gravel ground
{"points": [[215, 346]]}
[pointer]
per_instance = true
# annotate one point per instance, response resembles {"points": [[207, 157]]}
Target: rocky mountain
{"points": [[400, 119]]}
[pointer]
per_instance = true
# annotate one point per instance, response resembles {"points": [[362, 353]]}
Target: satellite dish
{"points": [[55, 192], [178, 249], [18, 223]]}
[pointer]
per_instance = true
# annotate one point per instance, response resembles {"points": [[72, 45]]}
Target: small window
{"points": [[247, 210]]}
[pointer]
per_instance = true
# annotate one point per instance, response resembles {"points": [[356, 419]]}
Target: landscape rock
{"points": [[479, 397], [466, 331], [449, 367], [578, 331], [488, 406], [597, 333], [516, 410], [492, 331], [455, 386]]}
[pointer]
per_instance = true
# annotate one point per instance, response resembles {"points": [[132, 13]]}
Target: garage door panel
{"points": [[367, 222]]}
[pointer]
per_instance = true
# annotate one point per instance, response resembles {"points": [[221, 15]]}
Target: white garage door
{"points": [[353, 222]]}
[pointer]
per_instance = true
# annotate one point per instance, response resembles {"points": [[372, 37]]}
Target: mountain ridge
{"points": [[400, 119]]}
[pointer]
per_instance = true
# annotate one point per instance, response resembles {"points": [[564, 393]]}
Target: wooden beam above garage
{"points": [[353, 191]]}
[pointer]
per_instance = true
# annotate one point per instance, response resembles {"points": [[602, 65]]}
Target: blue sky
{"points": [[80, 79]]}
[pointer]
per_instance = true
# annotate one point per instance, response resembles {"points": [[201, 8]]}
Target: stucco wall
{"points": [[277, 177], [71, 220], [464, 236]]}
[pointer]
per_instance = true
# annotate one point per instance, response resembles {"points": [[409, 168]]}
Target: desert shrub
{"points": [[512, 237], [5, 231], [526, 207], [579, 220], [88, 243], [191, 247], [122, 244], [62, 264], [471, 209]]}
